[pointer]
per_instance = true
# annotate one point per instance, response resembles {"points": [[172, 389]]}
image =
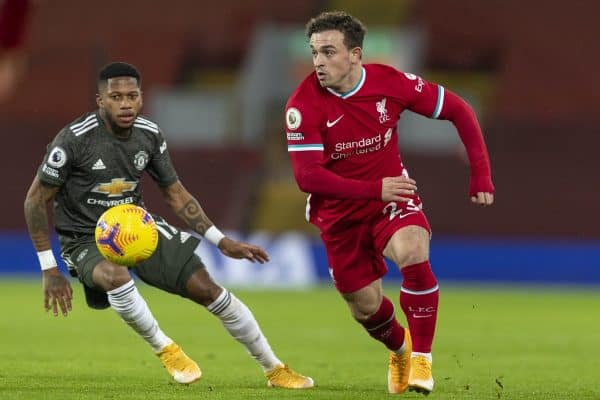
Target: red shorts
{"points": [[355, 252]]}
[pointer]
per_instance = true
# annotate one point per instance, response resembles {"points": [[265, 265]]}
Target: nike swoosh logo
{"points": [[406, 215], [421, 316], [330, 124]]}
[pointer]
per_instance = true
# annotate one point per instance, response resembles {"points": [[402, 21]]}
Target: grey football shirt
{"points": [[96, 170]]}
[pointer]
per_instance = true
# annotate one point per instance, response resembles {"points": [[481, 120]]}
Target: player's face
{"points": [[335, 64], [121, 101]]}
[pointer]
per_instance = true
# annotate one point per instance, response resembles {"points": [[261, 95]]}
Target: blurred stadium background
{"points": [[216, 76]]}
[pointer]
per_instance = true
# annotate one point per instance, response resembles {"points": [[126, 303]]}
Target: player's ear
{"points": [[99, 100], [356, 55]]}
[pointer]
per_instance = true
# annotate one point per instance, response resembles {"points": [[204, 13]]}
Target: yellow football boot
{"points": [[399, 367], [420, 379], [282, 376], [182, 368]]}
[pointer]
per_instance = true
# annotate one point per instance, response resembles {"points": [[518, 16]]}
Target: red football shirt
{"points": [[342, 144]]}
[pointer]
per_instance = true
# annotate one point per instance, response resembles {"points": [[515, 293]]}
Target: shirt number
{"points": [[403, 211]]}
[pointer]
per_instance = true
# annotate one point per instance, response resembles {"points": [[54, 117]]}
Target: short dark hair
{"points": [[354, 31], [116, 69]]}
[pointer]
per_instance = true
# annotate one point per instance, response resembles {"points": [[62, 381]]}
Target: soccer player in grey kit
{"points": [[96, 162]]}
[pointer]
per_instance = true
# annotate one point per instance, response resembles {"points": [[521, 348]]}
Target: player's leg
{"points": [[376, 314], [177, 269], [356, 268], [127, 302], [73, 255], [113, 284], [233, 314], [239, 321], [409, 249]]}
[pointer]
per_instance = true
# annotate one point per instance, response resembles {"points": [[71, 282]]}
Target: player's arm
{"points": [[190, 211], [57, 289], [434, 101], [461, 114], [313, 177]]}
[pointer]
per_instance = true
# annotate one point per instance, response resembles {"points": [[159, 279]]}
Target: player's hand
{"points": [[240, 250], [394, 188], [483, 199], [481, 190], [57, 292]]}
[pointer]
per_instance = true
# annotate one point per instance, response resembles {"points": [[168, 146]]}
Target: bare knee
{"points": [[412, 253], [408, 246], [202, 289], [110, 276], [364, 302], [362, 312]]}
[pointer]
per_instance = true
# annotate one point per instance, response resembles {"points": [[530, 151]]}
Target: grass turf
{"points": [[491, 343]]}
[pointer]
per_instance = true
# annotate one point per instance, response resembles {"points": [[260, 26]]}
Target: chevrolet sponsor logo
{"points": [[115, 188]]}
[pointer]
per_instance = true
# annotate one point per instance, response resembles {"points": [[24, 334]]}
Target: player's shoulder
{"points": [[305, 103], [145, 124], [307, 92], [385, 71], [81, 126], [393, 81]]}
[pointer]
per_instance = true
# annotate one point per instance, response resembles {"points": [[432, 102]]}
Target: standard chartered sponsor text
{"points": [[364, 142], [362, 146]]}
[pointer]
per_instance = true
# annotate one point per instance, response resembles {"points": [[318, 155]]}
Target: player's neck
{"points": [[351, 81]]}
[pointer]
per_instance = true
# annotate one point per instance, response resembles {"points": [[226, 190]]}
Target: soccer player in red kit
{"points": [[342, 139]]}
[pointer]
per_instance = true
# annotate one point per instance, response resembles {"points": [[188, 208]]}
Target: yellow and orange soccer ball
{"points": [[126, 235]]}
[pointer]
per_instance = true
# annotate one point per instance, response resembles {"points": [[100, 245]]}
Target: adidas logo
{"points": [[99, 164], [184, 237]]}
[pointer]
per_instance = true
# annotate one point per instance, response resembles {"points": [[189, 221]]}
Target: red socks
{"points": [[419, 297], [384, 327], [419, 300]]}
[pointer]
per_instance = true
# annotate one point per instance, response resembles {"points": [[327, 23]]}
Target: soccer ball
{"points": [[126, 235]]}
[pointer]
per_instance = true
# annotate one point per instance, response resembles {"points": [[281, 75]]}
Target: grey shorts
{"points": [[169, 268]]}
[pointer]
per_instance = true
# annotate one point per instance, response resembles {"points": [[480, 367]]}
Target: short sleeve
{"points": [[58, 160], [160, 167], [303, 126], [419, 95]]}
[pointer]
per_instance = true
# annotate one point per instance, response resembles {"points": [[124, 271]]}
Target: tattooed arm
{"points": [[189, 210], [38, 196], [186, 207], [57, 289]]}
